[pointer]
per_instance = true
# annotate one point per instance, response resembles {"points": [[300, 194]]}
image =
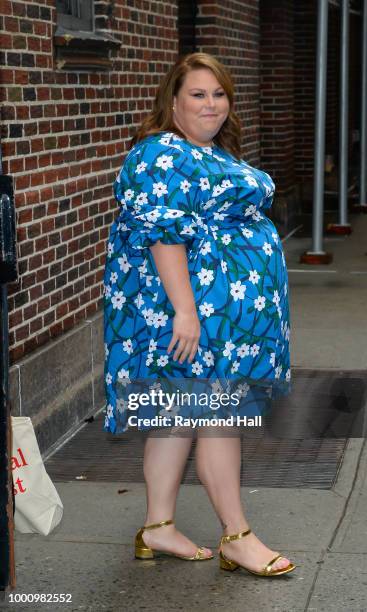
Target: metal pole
{"points": [[343, 142], [343, 227], [318, 255], [362, 191]]}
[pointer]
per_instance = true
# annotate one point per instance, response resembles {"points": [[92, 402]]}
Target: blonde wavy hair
{"points": [[161, 117]]}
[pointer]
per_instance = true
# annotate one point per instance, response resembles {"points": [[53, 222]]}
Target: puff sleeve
{"points": [[156, 192]]}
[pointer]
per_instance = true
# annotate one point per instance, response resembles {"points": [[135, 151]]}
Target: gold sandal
{"points": [[142, 551], [228, 564]]}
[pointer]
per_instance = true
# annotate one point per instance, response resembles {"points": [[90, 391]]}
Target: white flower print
{"points": [[109, 411], [208, 150], [160, 319], [242, 389], [229, 346], [124, 264], [279, 310], [152, 345], [127, 346], [122, 405], [159, 189], [226, 184], [196, 154], [205, 276], [243, 350], [109, 249], [276, 298], [106, 349], [267, 248], [164, 162], [250, 210], [238, 290], [259, 302], [206, 309], [209, 203], [254, 350], [206, 248], [143, 267], [257, 216], [288, 375], [197, 368], [216, 387], [226, 238], [165, 140], [224, 266], [108, 378], [272, 359], [235, 366], [250, 180], [247, 233], [217, 216], [275, 237], [149, 359], [204, 183], [153, 215], [155, 297], [107, 290], [149, 315], [142, 198], [118, 300], [208, 358], [177, 146], [124, 376], [141, 167], [172, 213], [113, 277], [254, 277], [185, 186], [188, 229], [139, 300], [129, 194], [218, 190], [162, 360], [278, 371]]}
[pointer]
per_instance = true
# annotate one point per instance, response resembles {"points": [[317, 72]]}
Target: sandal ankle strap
{"points": [[237, 536], [156, 525]]}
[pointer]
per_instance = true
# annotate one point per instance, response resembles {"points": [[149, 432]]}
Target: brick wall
{"points": [[230, 30], [277, 91], [63, 137], [305, 30]]}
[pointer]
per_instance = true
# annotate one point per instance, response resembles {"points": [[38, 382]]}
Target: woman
{"points": [[195, 297]]}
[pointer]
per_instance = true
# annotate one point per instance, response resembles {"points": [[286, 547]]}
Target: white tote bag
{"points": [[38, 507]]}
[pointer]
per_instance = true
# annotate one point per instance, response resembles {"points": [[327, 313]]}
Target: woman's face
{"points": [[201, 106]]}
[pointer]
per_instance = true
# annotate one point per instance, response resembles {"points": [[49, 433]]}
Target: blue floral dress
{"points": [[171, 190]]}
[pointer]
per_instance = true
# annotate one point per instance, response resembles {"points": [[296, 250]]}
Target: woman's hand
{"points": [[186, 331]]}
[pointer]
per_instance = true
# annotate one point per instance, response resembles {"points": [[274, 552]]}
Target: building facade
{"points": [[76, 79]]}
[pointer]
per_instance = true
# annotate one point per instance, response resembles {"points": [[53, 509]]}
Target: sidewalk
{"points": [[324, 532]]}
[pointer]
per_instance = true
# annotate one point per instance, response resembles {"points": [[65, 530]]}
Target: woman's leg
{"points": [[218, 464], [164, 461]]}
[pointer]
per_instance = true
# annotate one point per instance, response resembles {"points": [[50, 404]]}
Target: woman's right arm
{"points": [[171, 264]]}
